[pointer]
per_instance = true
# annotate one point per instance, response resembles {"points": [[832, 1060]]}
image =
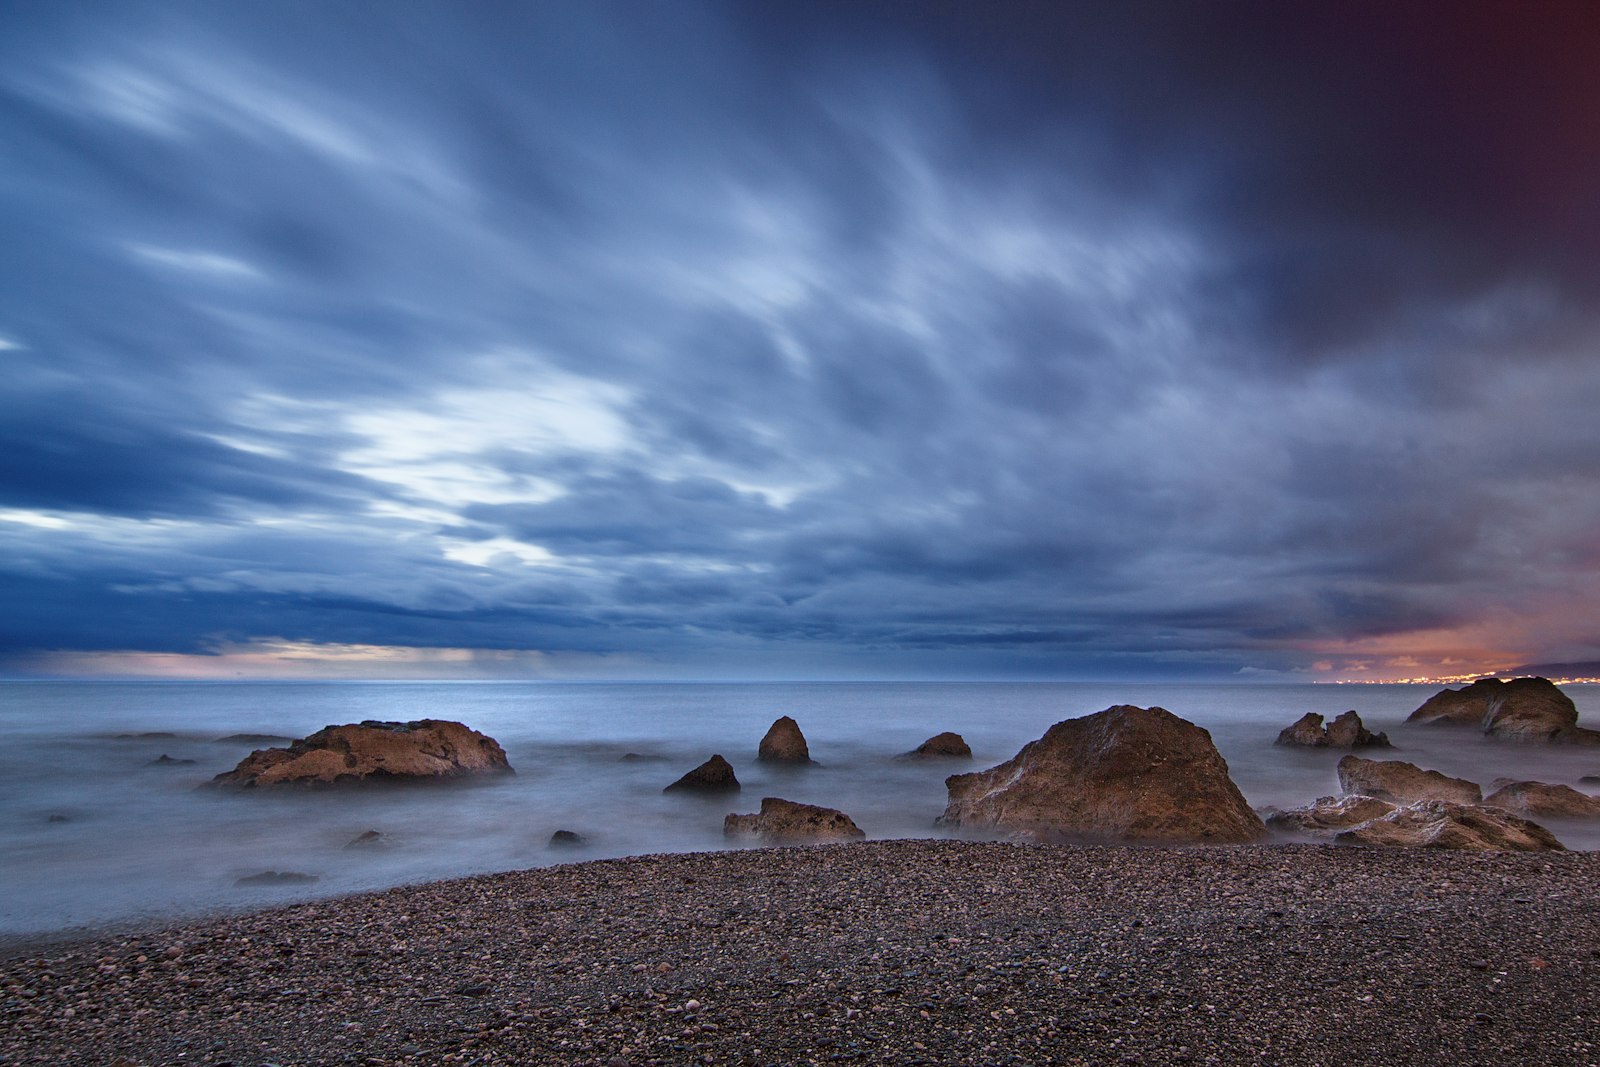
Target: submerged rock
{"points": [[276, 878], [165, 760], [1126, 773], [1541, 800], [784, 821], [253, 739], [715, 775], [1330, 814], [948, 745], [1523, 709], [367, 839], [1442, 824], [1402, 782], [425, 750], [567, 839], [784, 743], [1346, 731]]}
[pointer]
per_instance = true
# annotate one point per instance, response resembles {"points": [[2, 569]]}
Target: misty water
{"points": [[94, 832]]}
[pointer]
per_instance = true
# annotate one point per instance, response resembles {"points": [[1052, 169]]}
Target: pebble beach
{"points": [[905, 951]]}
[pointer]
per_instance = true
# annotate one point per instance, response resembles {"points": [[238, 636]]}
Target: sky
{"points": [[799, 340]]}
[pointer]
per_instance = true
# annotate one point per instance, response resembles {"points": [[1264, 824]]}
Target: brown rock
{"points": [[366, 839], [715, 775], [1347, 731], [781, 821], [1126, 773], [1307, 730], [1524, 709], [941, 746], [1402, 782], [1330, 814], [1442, 824], [1539, 800], [784, 743], [429, 749]]}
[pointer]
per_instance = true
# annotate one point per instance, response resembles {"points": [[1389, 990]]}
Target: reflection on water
{"points": [[95, 830]]}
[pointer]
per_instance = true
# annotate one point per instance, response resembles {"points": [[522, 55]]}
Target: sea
{"points": [[98, 833]]}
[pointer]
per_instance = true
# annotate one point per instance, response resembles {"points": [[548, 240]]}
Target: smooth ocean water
{"points": [[92, 833]]}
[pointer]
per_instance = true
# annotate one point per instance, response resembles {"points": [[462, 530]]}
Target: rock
{"points": [[947, 745], [253, 739], [148, 735], [715, 775], [1523, 709], [1402, 783], [57, 817], [784, 743], [640, 757], [1330, 814], [276, 878], [425, 750], [1307, 730], [567, 839], [783, 821], [165, 760], [1443, 824], [1347, 731], [368, 839], [1126, 773], [1539, 800]]}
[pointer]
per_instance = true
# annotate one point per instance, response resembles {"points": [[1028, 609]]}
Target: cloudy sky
{"points": [[799, 340]]}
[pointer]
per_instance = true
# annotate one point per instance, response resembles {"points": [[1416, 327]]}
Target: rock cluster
{"points": [[1126, 773], [786, 822], [715, 775], [1523, 709], [428, 749], [784, 743], [1346, 731], [1402, 783]]}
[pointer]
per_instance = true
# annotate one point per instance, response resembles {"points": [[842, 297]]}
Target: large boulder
{"points": [[1522, 709], [941, 746], [784, 743], [715, 775], [1126, 773], [1542, 801], [1402, 782], [1442, 824], [1330, 814], [425, 750], [786, 822]]}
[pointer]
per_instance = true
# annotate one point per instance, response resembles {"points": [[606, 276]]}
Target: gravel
{"points": [[904, 952]]}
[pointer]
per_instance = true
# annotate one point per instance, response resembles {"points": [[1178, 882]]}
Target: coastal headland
{"points": [[914, 952]]}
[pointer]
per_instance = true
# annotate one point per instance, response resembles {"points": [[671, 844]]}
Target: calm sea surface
{"points": [[92, 831]]}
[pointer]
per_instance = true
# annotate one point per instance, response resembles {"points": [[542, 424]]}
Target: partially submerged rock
{"points": [[567, 839], [1126, 773], [715, 775], [947, 745], [1307, 731], [165, 760], [786, 822], [1402, 782], [1346, 731], [254, 739], [1523, 709], [1328, 815], [367, 839], [425, 750], [276, 878], [1542, 800], [784, 743], [1442, 824]]}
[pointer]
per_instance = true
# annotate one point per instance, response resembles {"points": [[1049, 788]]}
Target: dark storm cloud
{"points": [[1129, 338]]}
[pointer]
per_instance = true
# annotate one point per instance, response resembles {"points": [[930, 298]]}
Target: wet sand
{"points": [[931, 952]]}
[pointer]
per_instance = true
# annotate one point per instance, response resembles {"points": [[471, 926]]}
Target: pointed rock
{"points": [[1347, 731], [784, 743], [715, 775], [1307, 730]]}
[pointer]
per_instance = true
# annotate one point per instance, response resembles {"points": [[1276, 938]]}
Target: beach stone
{"points": [[1126, 773], [1328, 815], [1443, 824], [424, 750], [1347, 731], [1541, 800], [1402, 782], [715, 775], [784, 821], [1307, 730], [1523, 709], [784, 743], [947, 745]]}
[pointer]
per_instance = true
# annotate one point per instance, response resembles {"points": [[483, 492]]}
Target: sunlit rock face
{"points": [[425, 750], [1442, 824], [1123, 774], [1522, 709], [1540, 800], [1402, 783], [786, 822]]}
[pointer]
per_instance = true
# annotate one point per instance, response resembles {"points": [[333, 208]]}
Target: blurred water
{"points": [[92, 832]]}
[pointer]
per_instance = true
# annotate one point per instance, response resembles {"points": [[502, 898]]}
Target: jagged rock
{"points": [[784, 743], [1126, 773], [428, 749], [1307, 730], [947, 745], [1542, 801], [368, 839], [1442, 824], [784, 821], [276, 878], [1523, 709], [715, 775], [567, 839], [1347, 731], [165, 760], [1330, 814], [1402, 783]]}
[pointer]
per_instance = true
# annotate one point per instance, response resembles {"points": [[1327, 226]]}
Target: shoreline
{"points": [[898, 951]]}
